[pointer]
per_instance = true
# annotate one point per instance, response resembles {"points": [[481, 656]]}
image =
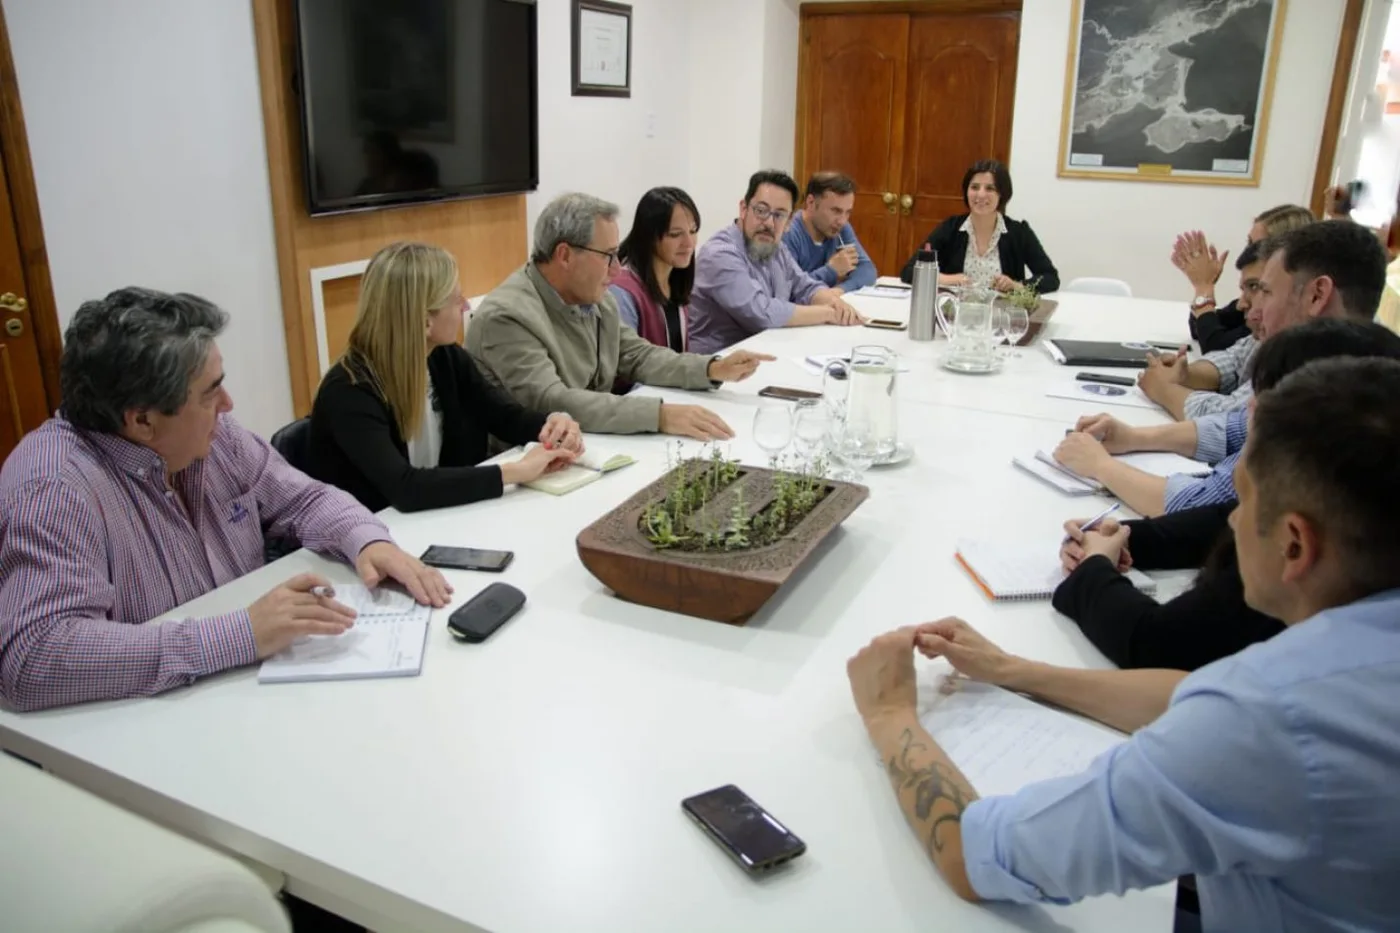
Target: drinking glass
{"points": [[772, 429], [998, 327], [809, 427], [855, 445], [1018, 322]]}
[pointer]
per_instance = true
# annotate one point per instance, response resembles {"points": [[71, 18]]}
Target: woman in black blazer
{"points": [[403, 418], [964, 259]]}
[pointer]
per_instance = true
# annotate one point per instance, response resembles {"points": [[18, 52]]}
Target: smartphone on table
{"points": [[742, 828], [788, 394], [886, 324], [466, 558], [1106, 379]]}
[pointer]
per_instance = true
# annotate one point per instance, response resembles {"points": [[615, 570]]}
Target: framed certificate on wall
{"points": [[602, 49]]}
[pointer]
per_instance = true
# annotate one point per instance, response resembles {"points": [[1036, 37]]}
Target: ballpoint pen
{"points": [[1093, 523]]}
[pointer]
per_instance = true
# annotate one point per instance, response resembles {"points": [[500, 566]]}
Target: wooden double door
{"points": [[904, 102]]}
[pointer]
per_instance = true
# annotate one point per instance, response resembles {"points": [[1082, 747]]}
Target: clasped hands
{"points": [[882, 673]]}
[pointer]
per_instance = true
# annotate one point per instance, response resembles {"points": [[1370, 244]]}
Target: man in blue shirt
{"points": [[820, 237], [1271, 774]]}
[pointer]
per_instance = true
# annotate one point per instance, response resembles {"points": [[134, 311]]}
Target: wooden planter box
{"points": [[725, 586]]}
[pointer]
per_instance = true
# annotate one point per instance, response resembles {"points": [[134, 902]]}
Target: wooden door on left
{"points": [[851, 107], [29, 334]]}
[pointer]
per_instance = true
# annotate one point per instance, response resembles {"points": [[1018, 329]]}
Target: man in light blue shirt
{"points": [[821, 239], [745, 282], [1270, 775]]}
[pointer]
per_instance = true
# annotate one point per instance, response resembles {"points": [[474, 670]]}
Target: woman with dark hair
{"points": [[658, 267], [985, 247]]}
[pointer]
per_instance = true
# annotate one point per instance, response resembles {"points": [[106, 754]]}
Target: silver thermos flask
{"points": [[923, 295]]}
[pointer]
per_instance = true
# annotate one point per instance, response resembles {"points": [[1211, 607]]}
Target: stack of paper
{"points": [[884, 291], [1045, 468], [386, 640], [1002, 742], [1022, 570]]}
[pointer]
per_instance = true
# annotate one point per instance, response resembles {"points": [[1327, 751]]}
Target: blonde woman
{"points": [[403, 418], [1201, 263]]}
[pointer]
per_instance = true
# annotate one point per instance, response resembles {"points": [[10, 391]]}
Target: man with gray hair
{"points": [[143, 494], [551, 336]]}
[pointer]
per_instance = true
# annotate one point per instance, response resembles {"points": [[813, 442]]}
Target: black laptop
{"points": [[1128, 355]]}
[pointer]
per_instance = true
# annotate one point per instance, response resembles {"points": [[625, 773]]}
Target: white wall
{"points": [[601, 145], [145, 124]]}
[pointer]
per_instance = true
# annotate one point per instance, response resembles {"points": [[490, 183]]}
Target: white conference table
{"points": [[531, 784]]}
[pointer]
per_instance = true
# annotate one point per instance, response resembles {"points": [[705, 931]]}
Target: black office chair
{"points": [[293, 442]]}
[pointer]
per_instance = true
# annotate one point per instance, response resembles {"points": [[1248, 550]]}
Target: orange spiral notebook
{"points": [[1017, 571]]}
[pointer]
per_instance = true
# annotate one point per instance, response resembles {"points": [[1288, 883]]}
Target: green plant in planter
{"points": [[674, 521], [1024, 295]]}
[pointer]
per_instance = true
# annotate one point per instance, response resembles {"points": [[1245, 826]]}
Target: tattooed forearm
{"points": [[939, 792]]}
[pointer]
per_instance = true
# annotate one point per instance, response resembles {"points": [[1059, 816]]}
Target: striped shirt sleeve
{"points": [[1187, 492], [58, 641]]}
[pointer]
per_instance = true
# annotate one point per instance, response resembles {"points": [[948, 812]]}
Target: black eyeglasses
{"points": [[611, 254]]}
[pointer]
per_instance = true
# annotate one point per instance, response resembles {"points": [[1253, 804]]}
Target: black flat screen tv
{"points": [[405, 101]]}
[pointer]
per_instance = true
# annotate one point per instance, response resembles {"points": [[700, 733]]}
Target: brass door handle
{"points": [[890, 198], [12, 302], [907, 202], [14, 327]]}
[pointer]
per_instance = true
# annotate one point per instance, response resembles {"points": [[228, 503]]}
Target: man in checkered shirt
{"points": [[142, 494]]}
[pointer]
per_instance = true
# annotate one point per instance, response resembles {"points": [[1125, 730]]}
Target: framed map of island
{"points": [[1173, 90]]}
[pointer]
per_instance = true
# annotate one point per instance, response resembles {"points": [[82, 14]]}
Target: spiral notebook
{"points": [[387, 640], [1006, 571]]}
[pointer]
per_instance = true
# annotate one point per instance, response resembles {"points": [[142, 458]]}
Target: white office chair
{"points": [[82, 865], [1092, 285]]}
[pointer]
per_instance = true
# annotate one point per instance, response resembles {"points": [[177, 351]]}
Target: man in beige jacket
{"points": [[551, 336]]}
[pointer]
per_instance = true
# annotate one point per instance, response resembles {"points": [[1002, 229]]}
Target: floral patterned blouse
{"points": [[982, 270]]}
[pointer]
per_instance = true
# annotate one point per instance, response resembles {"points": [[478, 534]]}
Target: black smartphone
{"points": [[1106, 379], [467, 558], [885, 324], [787, 394], [749, 833]]}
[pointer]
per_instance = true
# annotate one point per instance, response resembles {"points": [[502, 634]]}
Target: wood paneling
{"points": [[852, 116], [962, 79], [1336, 102], [487, 235]]}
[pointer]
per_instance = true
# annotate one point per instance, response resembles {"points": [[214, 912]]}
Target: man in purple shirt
{"points": [[745, 282], [143, 494]]}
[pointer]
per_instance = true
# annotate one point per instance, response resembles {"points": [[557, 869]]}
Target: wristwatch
{"points": [[1202, 301]]}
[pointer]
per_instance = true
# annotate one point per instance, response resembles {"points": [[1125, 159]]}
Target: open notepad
{"points": [[386, 640], [1018, 571], [1002, 742], [1044, 468], [591, 466]]}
